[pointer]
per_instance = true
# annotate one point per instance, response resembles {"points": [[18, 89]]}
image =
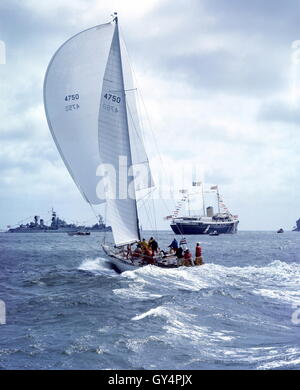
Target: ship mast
{"points": [[218, 197], [188, 199], [203, 201]]}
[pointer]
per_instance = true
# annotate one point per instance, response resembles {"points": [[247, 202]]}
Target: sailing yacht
{"points": [[91, 109]]}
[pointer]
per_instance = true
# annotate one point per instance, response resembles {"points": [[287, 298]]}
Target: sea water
{"points": [[67, 309]]}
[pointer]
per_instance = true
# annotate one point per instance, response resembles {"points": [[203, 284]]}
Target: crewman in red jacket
{"points": [[187, 258], [198, 255]]}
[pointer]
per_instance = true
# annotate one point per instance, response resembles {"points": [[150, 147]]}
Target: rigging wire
{"points": [[144, 199], [152, 133], [149, 122], [146, 161], [148, 212]]}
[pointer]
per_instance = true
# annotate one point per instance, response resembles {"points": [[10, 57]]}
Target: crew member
{"points": [[187, 258], [137, 252], [153, 245], [143, 244], [173, 246], [198, 254], [129, 251], [179, 255]]}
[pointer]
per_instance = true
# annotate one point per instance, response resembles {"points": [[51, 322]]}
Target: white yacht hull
{"points": [[123, 265]]}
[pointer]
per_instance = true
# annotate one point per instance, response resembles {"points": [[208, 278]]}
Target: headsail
{"points": [[115, 148], [72, 91]]}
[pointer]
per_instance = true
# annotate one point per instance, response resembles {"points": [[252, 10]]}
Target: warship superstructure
{"points": [[57, 225], [297, 227]]}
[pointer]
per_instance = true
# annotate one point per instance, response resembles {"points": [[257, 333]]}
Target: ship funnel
{"points": [[210, 211]]}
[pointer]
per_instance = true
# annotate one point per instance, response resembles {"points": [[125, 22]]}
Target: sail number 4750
{"points": [[113, 98], [72, 99], [68, 98]]}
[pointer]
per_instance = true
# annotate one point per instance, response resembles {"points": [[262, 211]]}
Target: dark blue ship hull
{"points": [[202, 228]]}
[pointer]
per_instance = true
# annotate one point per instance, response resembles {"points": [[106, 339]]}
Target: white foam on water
{"points": [[98, 265], [152, 282], [284, 361], [156, 312], [178, 278], [278, 280], [289, 297], [183, 328], [136, 292]]}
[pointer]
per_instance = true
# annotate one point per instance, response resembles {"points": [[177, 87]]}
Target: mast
{"points": [[188, 199], [116, 20], [203, 201], [218, 197], [115, 17]]}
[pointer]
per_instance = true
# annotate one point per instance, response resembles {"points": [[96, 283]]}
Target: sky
{"points": [[220, 81]]}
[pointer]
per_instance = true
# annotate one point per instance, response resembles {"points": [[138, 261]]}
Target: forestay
{"points": [[141, 166]]}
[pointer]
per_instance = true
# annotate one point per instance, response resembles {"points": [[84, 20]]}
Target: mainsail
{"points": [[90, 105]]}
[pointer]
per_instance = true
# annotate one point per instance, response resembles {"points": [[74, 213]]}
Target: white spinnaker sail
{"points": [[115, 149], [72, 93], [141, 167]]}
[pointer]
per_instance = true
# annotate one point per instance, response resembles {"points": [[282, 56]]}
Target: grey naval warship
{"points": [[297, 227], [57, 226], [222, 222]]}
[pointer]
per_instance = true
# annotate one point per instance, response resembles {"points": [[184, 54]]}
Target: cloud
{"points": [[279, 111], [234, 48]]}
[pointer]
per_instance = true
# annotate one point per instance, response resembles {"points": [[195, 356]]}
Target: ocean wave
{"points": [[98, 266], [68, 309], [285, 277]]}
